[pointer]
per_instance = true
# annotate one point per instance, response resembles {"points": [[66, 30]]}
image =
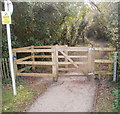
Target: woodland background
{"points": [[37, 23]]}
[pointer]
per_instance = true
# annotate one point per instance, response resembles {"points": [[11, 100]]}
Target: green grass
{"points": [[27, 91], [16, 103]]}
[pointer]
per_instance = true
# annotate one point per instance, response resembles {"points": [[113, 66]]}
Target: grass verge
{"points": [[27, 92]]}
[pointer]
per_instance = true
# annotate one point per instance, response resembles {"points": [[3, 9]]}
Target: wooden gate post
{"points": [[110, 58], [15, 63], [56, 52], [33, 57], [55, 61], [66, 60], [91, 61]]}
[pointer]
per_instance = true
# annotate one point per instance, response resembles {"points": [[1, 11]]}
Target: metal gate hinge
{"points": [[91, 48], [91, 74]]}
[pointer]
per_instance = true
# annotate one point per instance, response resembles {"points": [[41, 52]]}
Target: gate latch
{"points": [[91, 74]]}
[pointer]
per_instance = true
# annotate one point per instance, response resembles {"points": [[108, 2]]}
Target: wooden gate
{"points": [[75, 60], [85, 61], [63, 60]]}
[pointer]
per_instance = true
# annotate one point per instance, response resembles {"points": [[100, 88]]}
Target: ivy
{"points": [[116, 100]]}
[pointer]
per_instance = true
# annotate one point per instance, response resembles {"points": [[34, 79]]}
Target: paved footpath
{"points": [[69, 94]]}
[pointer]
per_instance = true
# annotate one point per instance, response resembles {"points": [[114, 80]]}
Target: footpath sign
{"points": [[6, 17]]}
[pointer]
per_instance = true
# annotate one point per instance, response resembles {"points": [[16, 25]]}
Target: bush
{"points": [[116, 100]]}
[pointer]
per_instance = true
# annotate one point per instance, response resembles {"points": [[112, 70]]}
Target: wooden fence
{"points": [[48, 52], [5, 72], [58, 56]]}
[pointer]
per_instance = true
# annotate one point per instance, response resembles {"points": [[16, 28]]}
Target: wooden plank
{"points": [[72, 74], [35, 50], [4, 68], [77, 48], [73, 48], [69, 59], [23, 48], [43, 56], [103, 72], [35, 63], [33, 57], [7, 68], [23, 69], [69, 63], [73, 56], [1, 68], [25, 58], [36, 74], [104, 61], [104, 49], [66, 69], [42, 50], [48, 46], [61, 48]]}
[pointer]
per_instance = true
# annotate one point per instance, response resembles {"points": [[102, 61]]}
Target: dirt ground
{"points": [[69, 94]]}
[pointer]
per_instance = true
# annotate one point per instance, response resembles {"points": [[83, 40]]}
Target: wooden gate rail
{"points": [[56, 53], [108, 61], [33, 63], [65, 54]]}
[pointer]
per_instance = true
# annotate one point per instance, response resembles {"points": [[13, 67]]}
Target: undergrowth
{"points": [[116, 100]]}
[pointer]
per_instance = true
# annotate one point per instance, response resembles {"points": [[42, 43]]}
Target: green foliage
{"points": [[8, 80], [113, 26], [116, 99], [43, 23]]}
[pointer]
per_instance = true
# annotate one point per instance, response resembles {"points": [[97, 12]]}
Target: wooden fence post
{"points": [[33, 57], [55, 61], [7, 68], [1, 70], [15, 63], [66, 60], [56, 52], [91, 61], [110, 58], [4, 68]]}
